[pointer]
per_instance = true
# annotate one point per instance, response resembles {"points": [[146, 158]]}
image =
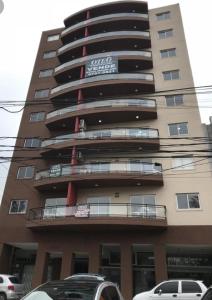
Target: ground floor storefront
{"points": [[135, 259]]}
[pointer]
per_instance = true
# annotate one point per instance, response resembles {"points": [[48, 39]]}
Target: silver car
{"points": [[10, 288]]}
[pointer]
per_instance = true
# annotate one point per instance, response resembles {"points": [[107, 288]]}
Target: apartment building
{"points": [[110, 180]]}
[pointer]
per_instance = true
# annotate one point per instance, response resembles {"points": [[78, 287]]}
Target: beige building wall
{"points": [[197, 180]]}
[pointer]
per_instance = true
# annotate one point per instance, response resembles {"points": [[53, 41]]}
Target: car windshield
{"points": [[65, 291]]}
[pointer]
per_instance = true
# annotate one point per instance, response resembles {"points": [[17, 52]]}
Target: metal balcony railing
{"points": [[103, 104], [123, 210], [98, 168]]}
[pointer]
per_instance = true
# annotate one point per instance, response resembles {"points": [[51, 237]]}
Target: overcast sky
{"points": [[22, 22]]}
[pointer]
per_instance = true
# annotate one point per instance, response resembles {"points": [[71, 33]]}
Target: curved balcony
{"points": [[145, 57], [106, 9], [121, 215], [114, 21], [114, 35], [99, 174], [127, 83], [107, 111], [142, 137]]}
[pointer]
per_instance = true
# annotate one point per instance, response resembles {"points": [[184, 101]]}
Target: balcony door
{"points": [[143, 205], [54, 207], [99, 206]]}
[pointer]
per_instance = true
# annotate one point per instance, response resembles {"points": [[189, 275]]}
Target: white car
{"points": [[10, 288], [184, 289]]}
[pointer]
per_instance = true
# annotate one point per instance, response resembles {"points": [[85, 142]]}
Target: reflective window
{"points": [[32, 143], [163, 16], [174, 100], [183, 163], [188, 201], [25, 172], [53, 37], [167, 288], [109, 293], [208, 295], [49, 54], [37, 116], [143, 205], [18, 207], [190, 287], [168, 53], [99, 205], [178, 128], [45, 73], [163, 34], [171, 75], [41, 94]]}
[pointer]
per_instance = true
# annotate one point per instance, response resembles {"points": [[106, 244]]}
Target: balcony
{"points": [[142, 137], [139, 57], [106, 85], [105, 42], [114, 20], [108, 111], [99, 174], [98, 217], [107, 9]]}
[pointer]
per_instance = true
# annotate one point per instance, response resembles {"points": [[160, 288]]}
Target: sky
{"points": [[22, 22]]}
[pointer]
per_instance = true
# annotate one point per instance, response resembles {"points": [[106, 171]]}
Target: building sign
{"points": [[102, 65]]}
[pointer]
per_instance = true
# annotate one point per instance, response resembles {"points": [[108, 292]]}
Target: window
{"points": [[171, 75], [37, 116], [18, 207], [163, 34], [183, 163], [143, 205], [163, 16], [168, 53], [25, 172], [167, 288], [53, 37], [190, 287], [41, 93], [174, 100], [45, 73], [99, 205], [208, 295], [49, 54], [32, 143], [1, 280], [188, 201], [178, 129], [110, 293]]}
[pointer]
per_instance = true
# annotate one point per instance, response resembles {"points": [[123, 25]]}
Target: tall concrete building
{"points": [[105, 176]]}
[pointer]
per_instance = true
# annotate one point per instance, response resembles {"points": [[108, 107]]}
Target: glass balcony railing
{"points": [[102, 19], [106, 103], [119, 133], [99, 210], [98, 168]]}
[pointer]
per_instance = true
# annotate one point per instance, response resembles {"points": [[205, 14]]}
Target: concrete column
{"points": [[41, 267], [94, 259], [126, 271], [6, 255], [160, 263], [66, 267]]}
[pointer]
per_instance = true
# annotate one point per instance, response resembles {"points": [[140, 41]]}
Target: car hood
{"points": [[140, 296]]}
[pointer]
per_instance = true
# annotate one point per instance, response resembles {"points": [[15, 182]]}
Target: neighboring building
{"points": [[109, 182]]}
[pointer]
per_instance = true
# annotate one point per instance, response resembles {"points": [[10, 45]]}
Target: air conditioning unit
{"points": [[82, 125]]}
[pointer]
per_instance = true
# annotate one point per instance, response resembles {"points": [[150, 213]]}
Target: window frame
{"points": [[53, 37], [48, 52], [166, 15], [31, 141], [37, 114], [18, 212], [165, 34], [171, 74], [44, 71], [188, 202], [26, 167], [183, 167], [36, 95], [168, 51], [178, 130], [174, 100]]}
